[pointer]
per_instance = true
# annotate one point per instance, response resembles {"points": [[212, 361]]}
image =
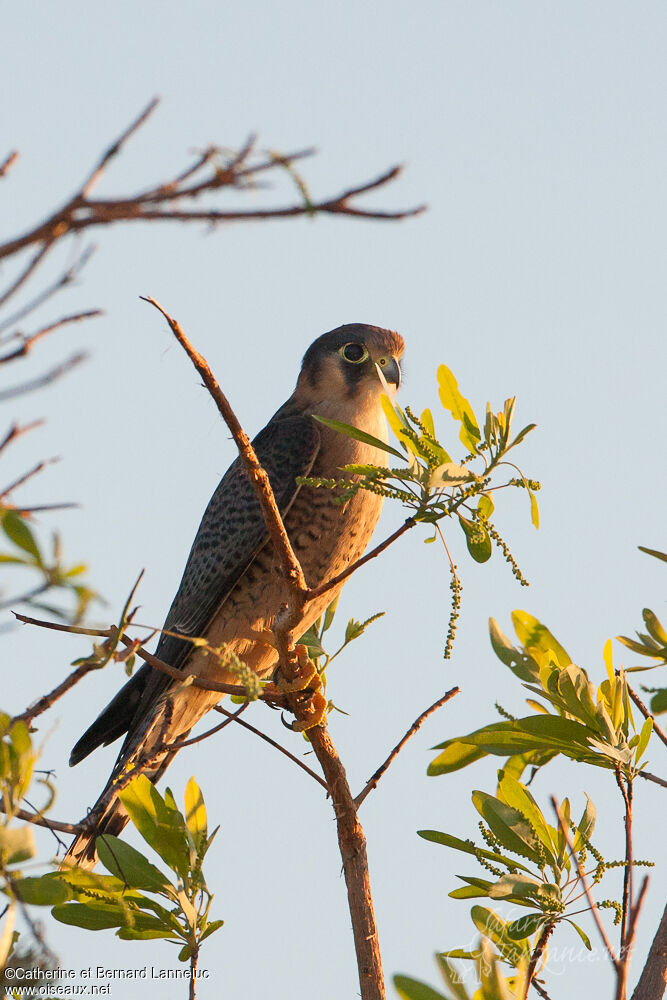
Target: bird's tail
{"points": [[108, 816]]}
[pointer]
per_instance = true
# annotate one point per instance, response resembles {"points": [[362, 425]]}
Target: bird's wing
{"points": [[231, 533]]}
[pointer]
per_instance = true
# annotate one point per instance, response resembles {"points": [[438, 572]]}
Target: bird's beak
{"points": [[390, 369]]}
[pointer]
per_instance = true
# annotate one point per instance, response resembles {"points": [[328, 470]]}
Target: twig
{"points": [[66, 278], [256, 474], [28, 342], [8, 163], [26, 476], [652, 777], [15, 431], [47, 243], [112, 633], [537, 954], [651, 985], [329, 584], [626, 793], [372, 782], [54, 373], [634, 916], [584, 885], [647, 715], [179, 744], [115, 148], [22, 598], [273, 743], [38, 820]]}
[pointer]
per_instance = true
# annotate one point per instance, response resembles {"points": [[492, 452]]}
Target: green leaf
{"points": [[493, 927], [654, 626], [450, 474], [524, 667], [195, 812], [525, 926], [477, 539], [353, 432], [459, 407], [535, 636], [644, 737], [413, 989], [521, 435], [517, 795], [452, 978], [485, 507], [454, 757], [512, 830], [20, 534], [161, 827], [584, 937], [130, 865], [16, 844], [329, 614], [515, 886], [92, 916], [659, 701], [586, 824], [44, 891], [534, 509], [467, 847], [211, 928]]}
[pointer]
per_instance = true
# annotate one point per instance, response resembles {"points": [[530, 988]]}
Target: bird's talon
{"points": [[315, 711]]}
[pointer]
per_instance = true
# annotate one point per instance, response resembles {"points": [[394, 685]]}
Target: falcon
{"points": [[233, 586]]}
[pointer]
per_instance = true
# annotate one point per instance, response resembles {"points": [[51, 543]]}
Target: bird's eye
{"points": [[355, 353]]}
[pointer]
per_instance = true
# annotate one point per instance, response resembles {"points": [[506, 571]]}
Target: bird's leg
{"points": [[302, 693]]}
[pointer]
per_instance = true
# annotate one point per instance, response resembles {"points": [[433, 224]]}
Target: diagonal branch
{"points": [[256, 474], [372, 782]]}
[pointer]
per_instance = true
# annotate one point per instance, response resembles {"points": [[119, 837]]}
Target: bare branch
{"points": [[46, 245], [26, 476], [115, 148], [336, 580], [273, 743], [37, 819], [51, 376], [28, 342], [15, 431], [652, 777], [372, 782], [647, 715], [66, 278], [8, 163], [256, 474]]}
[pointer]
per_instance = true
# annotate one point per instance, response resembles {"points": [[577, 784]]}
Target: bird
{"points": [[233, 586]]}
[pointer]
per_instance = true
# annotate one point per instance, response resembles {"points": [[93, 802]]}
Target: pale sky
{"points": [[535, 132]]}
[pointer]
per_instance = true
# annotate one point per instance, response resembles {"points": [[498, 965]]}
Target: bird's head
{"points": [[344, 365]]}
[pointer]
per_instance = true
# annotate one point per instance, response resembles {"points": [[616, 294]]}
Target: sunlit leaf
{"points": [[477, 539], [195, 812], [525, 926], [45, 891], [644, 737], [16, 844], [584, 937], [412, 989], [454, 757], [353, 432], [466, 847], [17, 530], [510, 827], [130, 865], [459, 407]]}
